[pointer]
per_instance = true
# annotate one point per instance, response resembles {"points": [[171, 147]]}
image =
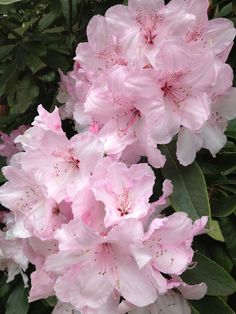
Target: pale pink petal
{"points": [[196, 111], [225, 105], [213, 138], [188, 144], [87, 288], [62, 308]]}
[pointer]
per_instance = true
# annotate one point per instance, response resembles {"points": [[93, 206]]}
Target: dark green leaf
{"points": [[218, 281], [4, 2], [21, 58], [5, 50], [57, 61], [17, 302], [227, 225], [36, 48], [224, 206], [221, 256], [49, 77], [190, 191], [212, 305], [51, 301], [226, 10], [47, 20], [234, 6], [66, 10], [193, 310], [215, 231], [35, 63], [9, 75], [26, 93]]}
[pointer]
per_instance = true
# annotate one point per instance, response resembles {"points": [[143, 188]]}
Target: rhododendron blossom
{"points": [[152, 71], [81, 207]]}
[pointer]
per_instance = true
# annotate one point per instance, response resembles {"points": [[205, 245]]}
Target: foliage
{"points": [[38, 37]]}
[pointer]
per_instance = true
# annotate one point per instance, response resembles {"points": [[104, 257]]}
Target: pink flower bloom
{"points": [[169, 242], [142, 27], [216, 35], [101, 263], [124, 191], [65, 165], [168, 303], [103, 49], [12, 257], [35, 213], [211, 135], [42, 282], [7, 146]]}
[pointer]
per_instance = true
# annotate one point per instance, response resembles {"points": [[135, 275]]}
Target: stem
{"points": [[11, 31], [70, 15]]}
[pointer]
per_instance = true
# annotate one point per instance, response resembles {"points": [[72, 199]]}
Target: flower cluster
{"points": [[85, 221], [80, 207], [150, 72]]}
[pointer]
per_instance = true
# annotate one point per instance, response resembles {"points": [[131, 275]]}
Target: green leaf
{"points": [[5, 287], [49, 77], [234, 6], [38, 307], [47, 20], [215, 231], [66, 10], [226, 10], [5, 50], [227, 225], [218, 281], [212, 305], [190, 191], [224, 206], [9, 75], [193, 310], [17, 302], [21, 58], [220, 255], [35, 63], [51, 301], [26, 93], [4, 2], [57, 61], [2, 164]]}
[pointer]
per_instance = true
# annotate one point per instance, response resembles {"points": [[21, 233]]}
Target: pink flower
{"points": [[63, 165], [124, 191], [12, 257], [211, 135], [35, 213], [7, 146], [169, 242], [170, 302], [102, 263]]}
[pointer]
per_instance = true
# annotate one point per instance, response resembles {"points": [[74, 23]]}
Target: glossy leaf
{"points": [[224, 206], [25, 99], [215, 231], [220, 255], [227, 225], [35, 63], [212, 305], [5, 50], [190, 190], [17, 302], [218, 281], [4, 2]]}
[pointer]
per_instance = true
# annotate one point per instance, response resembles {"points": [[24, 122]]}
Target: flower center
{"points": [[124, 204]]}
